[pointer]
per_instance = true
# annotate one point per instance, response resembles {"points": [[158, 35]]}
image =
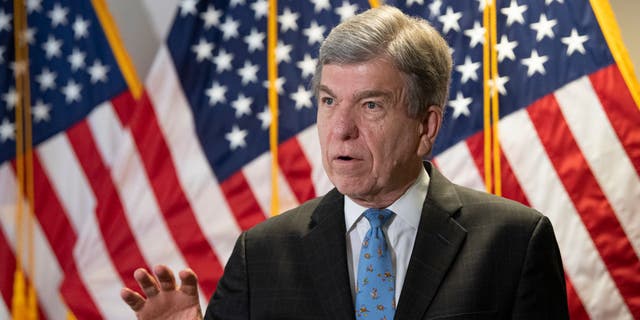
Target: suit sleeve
{"points": [[541, 290], [231, 299]]}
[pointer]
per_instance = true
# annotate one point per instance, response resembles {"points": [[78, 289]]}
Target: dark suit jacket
{"points": [[476, 256]]}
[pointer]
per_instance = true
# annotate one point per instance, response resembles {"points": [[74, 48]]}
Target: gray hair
{"points": [[411, 44]]}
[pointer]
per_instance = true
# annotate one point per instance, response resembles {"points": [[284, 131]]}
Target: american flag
{"points": [[175, 176]]}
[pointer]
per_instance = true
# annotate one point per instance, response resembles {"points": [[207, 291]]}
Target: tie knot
{"points": [[378, 217]]}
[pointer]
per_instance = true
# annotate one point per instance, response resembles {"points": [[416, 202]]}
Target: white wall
{"points": [[144, 23]]}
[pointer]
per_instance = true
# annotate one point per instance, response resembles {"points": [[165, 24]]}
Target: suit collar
{"points": [[438, 241], [325, 250]]}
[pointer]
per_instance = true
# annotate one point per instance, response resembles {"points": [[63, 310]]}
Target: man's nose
{"points": [[344, 124]]}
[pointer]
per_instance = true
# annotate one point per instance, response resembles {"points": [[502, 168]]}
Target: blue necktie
{"points": [[375, 290]]}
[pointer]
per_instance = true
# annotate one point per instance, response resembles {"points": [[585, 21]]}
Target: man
{"points": [[395, 238]]}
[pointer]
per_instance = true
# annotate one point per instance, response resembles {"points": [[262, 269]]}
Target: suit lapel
{"points": [[438, 241], [325, 250]]}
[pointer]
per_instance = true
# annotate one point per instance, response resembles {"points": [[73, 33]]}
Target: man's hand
{"points": [[164, 300]]}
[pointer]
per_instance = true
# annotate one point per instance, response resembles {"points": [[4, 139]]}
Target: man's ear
{"points": [[429, 128]]}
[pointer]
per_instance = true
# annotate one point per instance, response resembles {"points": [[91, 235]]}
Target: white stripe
{"points": [[545, 191], [4, 311], [198, 182], [135, 191], [75, 194], [310, 145], [603, 151], [48, 272], [457, 164], [258, 176]]}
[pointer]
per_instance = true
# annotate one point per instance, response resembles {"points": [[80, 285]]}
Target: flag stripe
{"points": [[458, 165], [175, 207], [545, 191], [296, 169], [78, 204], [256, 173], [511, 188], [6, 279], [242, 201], [620, 108], [594, 135], [121, 245], [576, 309], [592, 205], [309, 143]]}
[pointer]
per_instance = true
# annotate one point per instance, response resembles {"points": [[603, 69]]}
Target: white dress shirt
{"points": [[400, 231]]}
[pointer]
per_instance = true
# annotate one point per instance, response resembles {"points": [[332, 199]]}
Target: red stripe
{"points": [[622, 111], [589, 200], [173, 203], [511, 188], [296, 169], [475, 143], [113, 223], [243, 203], [576, 308], [62, 237]]}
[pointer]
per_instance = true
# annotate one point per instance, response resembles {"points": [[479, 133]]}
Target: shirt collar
{"points": [[408, 207]]}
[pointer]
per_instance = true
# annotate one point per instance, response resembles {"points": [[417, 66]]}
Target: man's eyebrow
{"points": [[385, 95], [326, 89]]}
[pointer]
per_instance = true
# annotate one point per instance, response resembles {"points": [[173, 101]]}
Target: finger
{"points": [[189, 283], [132, 298], [165, 277], [147, 283]]}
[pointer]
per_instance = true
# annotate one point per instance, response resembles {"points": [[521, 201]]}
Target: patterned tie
{"points": [[375, 290]]}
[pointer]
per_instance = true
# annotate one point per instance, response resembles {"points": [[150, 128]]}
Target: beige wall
{"points": [[146, 21]]}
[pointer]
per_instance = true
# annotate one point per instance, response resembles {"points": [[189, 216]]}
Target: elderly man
{"points": [[395, 238]]}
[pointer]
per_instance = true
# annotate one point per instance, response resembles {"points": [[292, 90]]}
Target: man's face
{"points": [[371, 149]]}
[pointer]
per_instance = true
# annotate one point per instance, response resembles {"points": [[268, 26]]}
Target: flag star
{"points": [[575, 42], [514, 12], [319, 5], [211, 17], [476, 34], [248, 73], [411, 2], [80, 28], [283, 52], [302, 97], [505, 49], [288, 20], [5, 21], [7, 130], [2, 49], [242, 105], [255, 40], [434, 8], [203, 50], [544, 27], [216, 94], [469, 70], [236, 138], [260, 8], [450, 20], [460, 105], [52, 47], [58, 15], [265, 118], [187, 7], [47, 79], [499, 84], [229, 28], [535, 63], [548, 2], [76, 59], [235, 3], [98, 72], [28, 36], [72, 91], [347, 10], [223, 61], [41, 111], [34, 5], [307, 65], [315, 33], [10, 98], [279, 84]]}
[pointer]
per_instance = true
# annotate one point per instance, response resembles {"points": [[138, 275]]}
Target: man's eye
{"points": [[327, 101], [371, 105]]}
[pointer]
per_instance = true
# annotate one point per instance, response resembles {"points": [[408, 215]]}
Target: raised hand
{"points": [[164, 300]]}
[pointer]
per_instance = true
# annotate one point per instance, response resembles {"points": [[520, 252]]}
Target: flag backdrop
{"points": [[176, 178]]}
